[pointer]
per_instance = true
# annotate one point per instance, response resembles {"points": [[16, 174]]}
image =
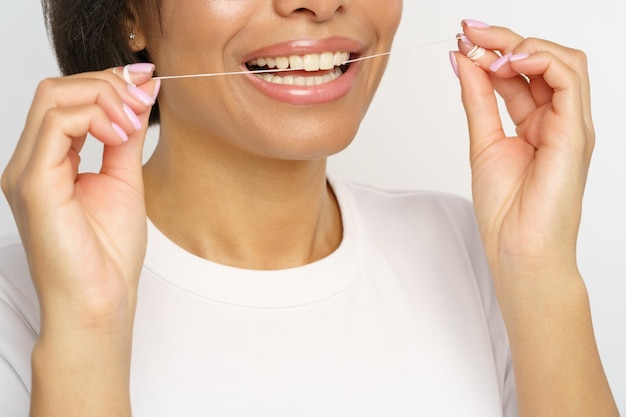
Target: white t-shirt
{"points": [[401, 320]]}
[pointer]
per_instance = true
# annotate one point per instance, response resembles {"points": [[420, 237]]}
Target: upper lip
{"points": [[306, 46]]}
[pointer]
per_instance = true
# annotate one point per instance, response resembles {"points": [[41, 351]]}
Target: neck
{"points": [[257, 213]]}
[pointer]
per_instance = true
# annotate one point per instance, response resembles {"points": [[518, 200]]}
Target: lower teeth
{"points": [[301, 81]]}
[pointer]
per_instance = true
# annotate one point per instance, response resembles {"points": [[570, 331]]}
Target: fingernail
{"points": [[141, 68], [455, 65], [132, 116], [157, 88], [120, 132], [463, 39], [518, 57], [474, 24], [499, 63], [140, 95]]}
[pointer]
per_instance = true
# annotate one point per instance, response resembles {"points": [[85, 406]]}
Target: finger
{"points": [[137, 100], [65, 129], [574, 59], [138, 78], [494, 38], [481, 107], [566, 100], [65, 92], [124, 162], [51, 170], [141, 86], [112, 96], [513, 89], [508, 42], [135, 74]]}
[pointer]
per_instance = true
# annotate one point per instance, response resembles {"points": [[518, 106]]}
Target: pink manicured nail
{"points": [[132, 116], [120, 132], [157, 88], [518, 57], [461, 37], [140, 95], [474, 24], [141, 68], [455, 65], [499, 63]]}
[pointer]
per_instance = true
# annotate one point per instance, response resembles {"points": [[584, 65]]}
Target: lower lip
{"points": [[308, 96]]}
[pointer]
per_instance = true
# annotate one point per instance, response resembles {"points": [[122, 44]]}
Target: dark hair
{"points": [[92, 35]]}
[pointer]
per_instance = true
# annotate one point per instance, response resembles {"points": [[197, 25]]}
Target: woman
{"points": [[261, 285]]}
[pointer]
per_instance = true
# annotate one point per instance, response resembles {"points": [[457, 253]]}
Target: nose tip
{"points": [[317, 10]]}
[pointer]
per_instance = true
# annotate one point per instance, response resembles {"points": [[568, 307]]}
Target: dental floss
{"points": [[275, 70], [476, 53], [126, 76]]}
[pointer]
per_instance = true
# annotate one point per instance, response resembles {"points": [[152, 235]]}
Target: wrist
{"points": [[532, 289], [533, 270], [83, 374]]}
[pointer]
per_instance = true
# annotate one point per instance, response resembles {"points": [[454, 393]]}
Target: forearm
{"points": [[558, 371], [84, 375]]}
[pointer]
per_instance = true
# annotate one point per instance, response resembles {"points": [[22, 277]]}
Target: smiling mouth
{"points": [[301, 70]]}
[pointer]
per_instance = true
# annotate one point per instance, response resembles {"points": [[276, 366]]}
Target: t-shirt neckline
{"points": [[264, 289]]}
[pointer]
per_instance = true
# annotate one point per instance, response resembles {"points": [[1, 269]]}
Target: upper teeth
{"points": [[308, 62]]}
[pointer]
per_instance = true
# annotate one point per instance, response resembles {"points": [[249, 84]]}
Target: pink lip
{"points": [[315, 95]]}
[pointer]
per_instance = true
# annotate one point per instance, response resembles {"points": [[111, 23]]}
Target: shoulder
{"points": [[418, 228], [365, 193], [431, 235], [437, 236]]}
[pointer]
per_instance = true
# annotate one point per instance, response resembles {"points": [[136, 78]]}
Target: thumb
{"points": [[481, 107], [124, 161]]}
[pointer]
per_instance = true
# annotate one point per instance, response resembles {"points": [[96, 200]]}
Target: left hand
{"points": [[527, 189]]}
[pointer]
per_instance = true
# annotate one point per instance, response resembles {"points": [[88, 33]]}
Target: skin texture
{"points": [[522, 186], [268, 157], [257, 165]]}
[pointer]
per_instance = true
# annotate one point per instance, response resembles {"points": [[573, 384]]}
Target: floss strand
{"points": [[275, 70]]}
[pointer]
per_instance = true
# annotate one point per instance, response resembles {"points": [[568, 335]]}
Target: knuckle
{"points": [[8, 180], [5, 182], [580, 57], [51, 118], [45, 87], [17, 187], [532, 43]]}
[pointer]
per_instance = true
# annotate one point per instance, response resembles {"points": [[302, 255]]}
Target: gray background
{"points": [[415, 134]]}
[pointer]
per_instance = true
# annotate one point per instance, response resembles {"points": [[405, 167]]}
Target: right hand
{"points": [[84, 234]]}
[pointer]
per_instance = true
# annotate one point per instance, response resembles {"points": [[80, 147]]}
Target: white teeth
{"points": [[309, 62], [327, 61], [301, 81], [282, 63], [337, 58], [296, 62], [312, 62]]}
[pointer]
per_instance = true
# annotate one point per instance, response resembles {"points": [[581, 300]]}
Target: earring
{"points": [[132, 36]]}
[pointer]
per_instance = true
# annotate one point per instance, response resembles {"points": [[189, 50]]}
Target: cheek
{"points": [[195, 33], [229, 9], [387, 15]]}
